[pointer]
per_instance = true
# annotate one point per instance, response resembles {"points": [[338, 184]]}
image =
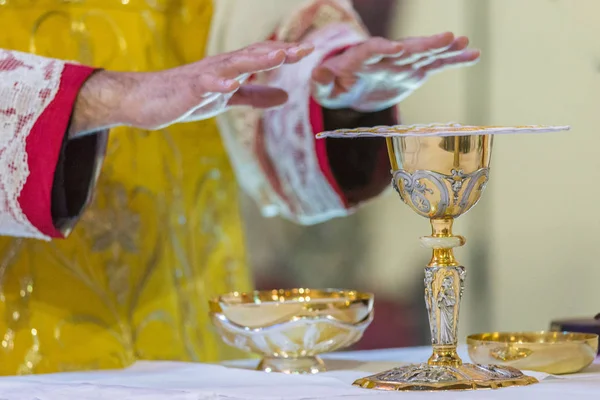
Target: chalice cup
{"points": [[440, 172]]}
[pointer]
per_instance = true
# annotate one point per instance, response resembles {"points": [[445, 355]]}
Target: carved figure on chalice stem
{"points": [[441, 171], [446, 302]]}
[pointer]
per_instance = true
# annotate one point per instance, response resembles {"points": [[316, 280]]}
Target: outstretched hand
{"points": [[204, 89], [189, 93], [380, 73]]}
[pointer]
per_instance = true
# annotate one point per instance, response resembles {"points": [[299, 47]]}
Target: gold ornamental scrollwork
{"points": [[453, 194]]}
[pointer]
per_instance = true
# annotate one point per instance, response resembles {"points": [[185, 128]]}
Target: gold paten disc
{"points": [[437, 129]]}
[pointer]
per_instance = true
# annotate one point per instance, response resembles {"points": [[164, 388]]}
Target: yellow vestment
{"points": [[164, 231]]}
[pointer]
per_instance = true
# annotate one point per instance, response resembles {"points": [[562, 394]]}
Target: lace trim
{"points": [[317, 14], [304, 194], [28, 84], [289, 137]]}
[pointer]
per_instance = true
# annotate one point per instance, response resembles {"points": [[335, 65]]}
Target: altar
{"points": [[238, 381]]}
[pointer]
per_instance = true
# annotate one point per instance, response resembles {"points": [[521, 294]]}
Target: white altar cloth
{"points": [[188, 381]]}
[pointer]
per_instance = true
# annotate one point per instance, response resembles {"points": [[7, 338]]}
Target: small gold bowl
{"points": [[290, 327], [550, 352]]}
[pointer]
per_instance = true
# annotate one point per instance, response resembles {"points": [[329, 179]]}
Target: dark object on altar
{"points": [[583, 325]]}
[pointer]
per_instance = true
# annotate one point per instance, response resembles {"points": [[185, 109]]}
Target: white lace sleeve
{"points": [[275, 155], [36, 99]]}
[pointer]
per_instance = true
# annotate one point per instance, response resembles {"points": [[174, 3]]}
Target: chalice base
{"points": [[425, 377], [300, 365]]}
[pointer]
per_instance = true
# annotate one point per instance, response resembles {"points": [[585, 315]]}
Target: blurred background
{"points": [[531, 239]]}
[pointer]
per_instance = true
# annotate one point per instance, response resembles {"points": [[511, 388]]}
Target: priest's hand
{"points": [[380, 73], [189, 93]]}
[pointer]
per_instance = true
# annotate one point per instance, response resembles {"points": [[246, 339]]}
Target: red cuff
{"points": [[43, 149], [318, 126], [317, 123]]}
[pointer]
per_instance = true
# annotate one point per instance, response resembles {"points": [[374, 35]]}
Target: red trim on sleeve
{"points": [[43, 149], [318, 126], [316, 121]]}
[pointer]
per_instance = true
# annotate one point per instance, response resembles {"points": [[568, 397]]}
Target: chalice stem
{"points": [[444, 285]]}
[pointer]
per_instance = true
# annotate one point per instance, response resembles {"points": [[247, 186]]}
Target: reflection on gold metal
{"points": [[550, 352], [440, 171], [289, 328], [510, 353]]}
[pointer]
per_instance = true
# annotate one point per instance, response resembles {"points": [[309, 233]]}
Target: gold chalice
{"points": [[289, 328], [440, 171]]}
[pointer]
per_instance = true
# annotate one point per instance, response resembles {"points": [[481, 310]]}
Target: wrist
{"points": [[99, 104]]}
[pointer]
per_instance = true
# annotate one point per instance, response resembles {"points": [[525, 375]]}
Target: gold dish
{"points": [[289, 328], [551, 352]]}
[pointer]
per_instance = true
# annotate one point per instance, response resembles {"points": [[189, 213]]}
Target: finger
{"points": [[297, 53], [209, 83], [428, 44], [457, 47], [259, 96], [416, 48], [268, 45], [240, 64], [353, 60], [431, 64], [370, 51], [398, 71], [323, 75], [460, 43], [464, 59], [294, 51]]}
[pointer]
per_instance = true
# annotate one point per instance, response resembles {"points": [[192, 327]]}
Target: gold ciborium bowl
{"points": [[551, 352], [440, 171], [289, 328]]}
